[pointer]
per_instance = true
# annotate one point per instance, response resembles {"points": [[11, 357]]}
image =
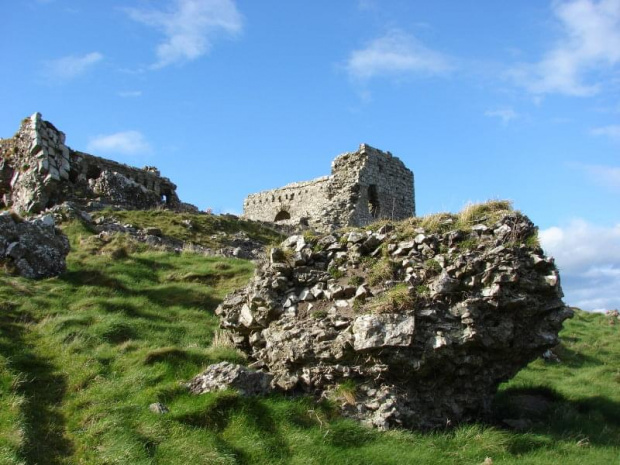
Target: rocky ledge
{"points": [[32, 248], [413, 324]]}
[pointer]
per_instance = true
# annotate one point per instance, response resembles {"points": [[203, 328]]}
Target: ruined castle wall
{"points": [[43, 171], [385, 189], [86, 166], [289, 204], [364, 186]]}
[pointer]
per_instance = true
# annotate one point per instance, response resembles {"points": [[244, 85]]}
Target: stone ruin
{"points": [[364, 186], [38, 171]]}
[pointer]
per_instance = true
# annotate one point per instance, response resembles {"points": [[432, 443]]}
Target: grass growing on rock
{"points": [[83, 355], [201, 229], [393, 300]]}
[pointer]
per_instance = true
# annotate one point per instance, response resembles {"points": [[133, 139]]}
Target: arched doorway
{"points": [[282, 215], [373, 201]]}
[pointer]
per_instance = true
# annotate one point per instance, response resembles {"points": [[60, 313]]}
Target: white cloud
{"points": [[611, 131], [189, 27], [70, 67], [608, 176], [394, 54], [588, 258], [590, 44], [505, 114], [367, 4], [130, 93], [124, 143]]}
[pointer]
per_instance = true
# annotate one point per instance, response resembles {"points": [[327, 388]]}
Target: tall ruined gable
{"points": [[37, 171], [364, 186]]}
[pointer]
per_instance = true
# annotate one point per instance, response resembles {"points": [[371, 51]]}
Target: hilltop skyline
{"points": [[480, 100]]}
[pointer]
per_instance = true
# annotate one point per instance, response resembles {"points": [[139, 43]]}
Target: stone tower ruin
{"points": [[364, 186]]}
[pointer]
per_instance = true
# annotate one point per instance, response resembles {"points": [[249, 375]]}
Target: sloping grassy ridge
{"points": [[82, 357]]}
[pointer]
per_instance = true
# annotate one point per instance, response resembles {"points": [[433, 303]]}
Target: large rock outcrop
{"points": [[38, 171], [34, 248], [413, 324]]}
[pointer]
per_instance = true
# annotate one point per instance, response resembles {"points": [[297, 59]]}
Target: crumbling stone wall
{"points": [[364, 186], [37, 171]]}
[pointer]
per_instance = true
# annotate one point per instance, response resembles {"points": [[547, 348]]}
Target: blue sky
{"points": [[482, 99]]}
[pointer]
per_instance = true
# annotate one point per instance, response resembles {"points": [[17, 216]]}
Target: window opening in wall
{"points": [[165, 197], [93, 172], [373, 201], [292, 197], [283, 215]]}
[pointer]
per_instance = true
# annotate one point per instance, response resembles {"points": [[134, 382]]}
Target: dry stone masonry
{"points": [[413, 324], [37, 171], [364, 186]]}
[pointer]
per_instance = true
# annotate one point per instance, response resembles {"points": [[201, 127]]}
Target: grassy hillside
{"points": [[82, 357]]}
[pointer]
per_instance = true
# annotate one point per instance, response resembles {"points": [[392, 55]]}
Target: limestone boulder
{"points": [[226, 375], [34, 248], [447, 315]]}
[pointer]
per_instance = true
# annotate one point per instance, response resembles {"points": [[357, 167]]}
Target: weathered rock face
{"points": [[35, 248], [37, 171], [225, 375], [424, 322]]}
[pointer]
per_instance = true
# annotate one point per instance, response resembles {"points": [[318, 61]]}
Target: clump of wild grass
{"points": [[396, 299], [487, 212], [346, 391], [382, 270], [222, 339]]}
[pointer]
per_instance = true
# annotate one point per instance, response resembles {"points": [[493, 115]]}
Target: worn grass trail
{"points": [[82, 357]]}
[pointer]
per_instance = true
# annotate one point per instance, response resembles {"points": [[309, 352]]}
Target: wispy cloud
{"points": [[189, 27], [588, 257], [611, 131], [367, 4], [607, 176], [395, 54], [123, 143], [589, 45], [506, 115], [130, 93], [70, 67]]}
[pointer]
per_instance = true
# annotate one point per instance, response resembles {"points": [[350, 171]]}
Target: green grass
{"points": [[205, 230], [83, 355]]}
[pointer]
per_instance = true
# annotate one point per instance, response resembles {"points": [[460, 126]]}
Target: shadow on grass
{"points": [[164, 295], [574, 359], [256, 416], [168, 295], [42, 387], [544, 411], [86, 277]]}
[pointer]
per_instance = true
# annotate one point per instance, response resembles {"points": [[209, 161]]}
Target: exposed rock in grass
{"points": [[159, 408], [452, 306], [33, 248], [226, 375]]}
